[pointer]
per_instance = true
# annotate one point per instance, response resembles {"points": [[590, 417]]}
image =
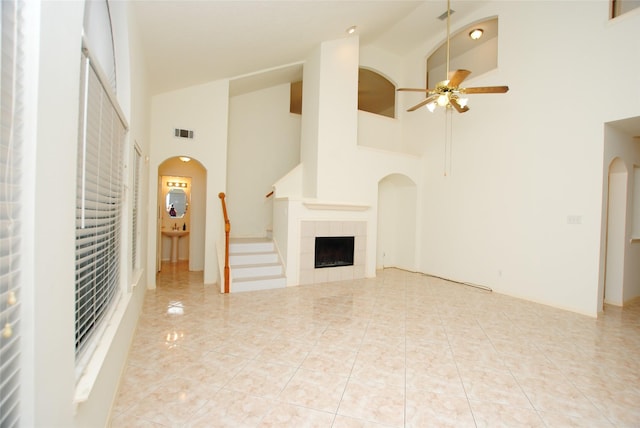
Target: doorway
{"points": [[615, 236], [180, 235]]}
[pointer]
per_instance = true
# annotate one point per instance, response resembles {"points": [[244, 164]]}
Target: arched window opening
{"points": [[478, 55], [98, 35], [376, 94], [295, 97]]}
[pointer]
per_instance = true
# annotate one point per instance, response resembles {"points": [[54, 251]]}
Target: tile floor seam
{"points": [[346, 384], [455, 361], [514, 377]]}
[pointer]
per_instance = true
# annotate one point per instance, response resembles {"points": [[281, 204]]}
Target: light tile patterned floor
{"points": [[400, 350]]}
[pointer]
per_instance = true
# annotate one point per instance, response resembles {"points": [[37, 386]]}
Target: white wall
{"points": [[52, 391], [518, 165], [379, 132], [50, 395], [310, 124], [264, 144], [203, 109], [338, 120]]}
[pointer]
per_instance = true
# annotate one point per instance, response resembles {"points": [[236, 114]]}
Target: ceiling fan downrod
{"points": [[448, 30]]}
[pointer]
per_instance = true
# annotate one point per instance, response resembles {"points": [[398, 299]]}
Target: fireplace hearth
{"points": [[333, 251]]}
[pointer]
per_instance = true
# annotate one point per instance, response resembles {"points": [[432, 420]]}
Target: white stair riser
{"points": [[251, 247], [253, 271], [264, 284], [255, 266], [252, 259]]}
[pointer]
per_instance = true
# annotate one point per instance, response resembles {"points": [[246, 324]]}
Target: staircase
{"points": [[255, 265]]}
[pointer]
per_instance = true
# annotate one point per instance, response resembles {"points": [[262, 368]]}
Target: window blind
{"points": [[98, 210], [137, 165], [11, 148]]}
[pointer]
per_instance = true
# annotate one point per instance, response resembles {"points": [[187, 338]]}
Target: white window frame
{"points": [[100, 203]]}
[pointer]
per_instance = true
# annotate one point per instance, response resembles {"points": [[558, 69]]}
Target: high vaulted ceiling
{"points": [[192, 42]]}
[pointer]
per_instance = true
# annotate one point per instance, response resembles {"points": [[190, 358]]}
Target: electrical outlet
{"points": [[574, 219]]}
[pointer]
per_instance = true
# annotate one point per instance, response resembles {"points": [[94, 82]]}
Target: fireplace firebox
{"points": [[333, 251]]}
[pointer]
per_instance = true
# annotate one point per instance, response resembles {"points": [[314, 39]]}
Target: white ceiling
{"points": [[191, 42]]}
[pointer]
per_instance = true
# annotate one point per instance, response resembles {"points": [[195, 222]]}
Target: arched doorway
{"points": [[189, 175], [397, 203]]}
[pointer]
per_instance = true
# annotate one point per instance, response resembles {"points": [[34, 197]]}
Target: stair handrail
{"points": [[227, 229]]}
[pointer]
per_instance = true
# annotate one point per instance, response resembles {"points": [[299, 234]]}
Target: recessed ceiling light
{"points": [[476, 33], [352, 29]]}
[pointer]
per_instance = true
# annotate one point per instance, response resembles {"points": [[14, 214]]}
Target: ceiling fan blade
{"points": [[456, 77], [485, 90], [414, 90], [423, 102], [457, 106]]}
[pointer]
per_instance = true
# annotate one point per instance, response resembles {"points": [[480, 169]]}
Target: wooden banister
{"points": [[268, 195], [227, 229]]}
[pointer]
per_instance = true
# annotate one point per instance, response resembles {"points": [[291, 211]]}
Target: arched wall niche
{"points": [[617, 166], [397, 213], [616, 232]]}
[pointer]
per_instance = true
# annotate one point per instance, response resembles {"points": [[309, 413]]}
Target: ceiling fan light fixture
{"points": [[476, 33], [443, 100], [463, 102], [431, 106]]}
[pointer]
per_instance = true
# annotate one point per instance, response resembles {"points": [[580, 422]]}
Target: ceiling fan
{"points": [[448, 93]]}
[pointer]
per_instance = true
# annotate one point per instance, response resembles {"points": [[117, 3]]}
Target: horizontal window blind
{"points": [[137, 165], [98, 210], [11, 149]]}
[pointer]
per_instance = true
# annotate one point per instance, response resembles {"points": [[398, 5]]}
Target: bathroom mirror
{"points": [[176, 203]]}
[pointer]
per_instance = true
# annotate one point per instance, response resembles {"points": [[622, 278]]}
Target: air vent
{"points": [[444, 15], [183, 133]]}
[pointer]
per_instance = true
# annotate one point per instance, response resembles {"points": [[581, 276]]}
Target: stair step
{"points": [[255, 265], [259, 283], [237, 259], [256, 270], [251, 245]]}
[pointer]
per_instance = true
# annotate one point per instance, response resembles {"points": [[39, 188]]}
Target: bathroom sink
{"points": [[173, 233]]}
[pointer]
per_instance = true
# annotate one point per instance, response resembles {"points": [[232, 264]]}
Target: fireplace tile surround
{"points": [[312, 229]]}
